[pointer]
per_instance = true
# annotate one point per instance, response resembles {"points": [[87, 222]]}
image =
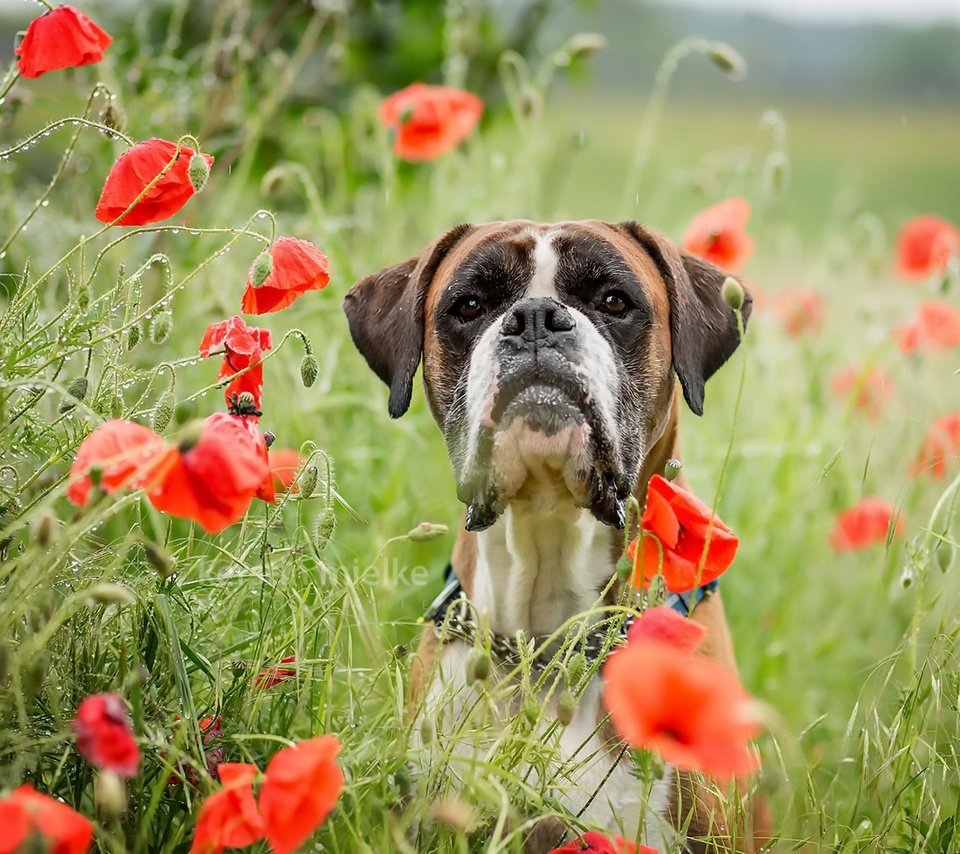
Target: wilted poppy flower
{"points": [[925, 246], [868, 389], [936, 327], [214, 480], [26, 814], [866, 523], [269, 677], [284, 465], [690, 711], [301, 785], [135, 170], [229, 818], [664, 625], [596, 843], [61, 38], [682, 523], [105, 735], [297, 267], [428, 121], [718, 234], [241, 346], [940, 444], [801, 310], [127, 455]]}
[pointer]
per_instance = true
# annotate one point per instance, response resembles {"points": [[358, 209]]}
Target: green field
{"points": [[858, 671]]}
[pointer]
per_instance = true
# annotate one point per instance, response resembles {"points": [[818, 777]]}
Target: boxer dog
{"points": [[551, 359]]}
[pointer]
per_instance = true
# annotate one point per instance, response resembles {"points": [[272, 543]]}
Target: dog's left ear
{"points": [[385, 314], [703, 328]]}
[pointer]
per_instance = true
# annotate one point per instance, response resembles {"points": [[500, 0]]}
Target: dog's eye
{"points": [[467, 309], [615, 303]]}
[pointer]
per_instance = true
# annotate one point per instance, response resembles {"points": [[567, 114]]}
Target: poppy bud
{"points": [[110, 794], [324, 527], [426, 730], [624, 567], [190, 434], [133, 336], [111, 594], [76, 391], [576, 667], [672, 468], [727, 60], [185, 411], [944, 555], [198, 171], [309, 368], [44, 529], [163, 411], [34, 673], [478, 666], [160, 559], [732, 292], [112, 117], [261, 269], [776, 172], [566, 707], [531, 709], [161, 326], [427, 531], [583, 46], [308, 480]]}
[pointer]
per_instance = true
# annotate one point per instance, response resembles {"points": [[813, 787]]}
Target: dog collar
{"points": [[454, 618]]}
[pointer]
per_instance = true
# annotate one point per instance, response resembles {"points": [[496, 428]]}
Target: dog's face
{"points": [[549, 353]]}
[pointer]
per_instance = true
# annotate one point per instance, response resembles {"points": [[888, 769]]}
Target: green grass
{"points": [[859, 674]]}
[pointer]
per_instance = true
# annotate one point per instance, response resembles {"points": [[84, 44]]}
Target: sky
{"points": [[917, 12]]}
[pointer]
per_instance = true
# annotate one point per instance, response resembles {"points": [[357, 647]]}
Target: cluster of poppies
{"points": [[928, 247]]}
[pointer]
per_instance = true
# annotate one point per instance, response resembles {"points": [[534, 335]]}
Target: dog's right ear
{"points": [[385, 314]]}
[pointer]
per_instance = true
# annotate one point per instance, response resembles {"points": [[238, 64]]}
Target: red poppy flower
{"points": [[241, 346], [925, 246], [211, 728], [596, 843], [428, 121], [26, 813], [127, 455], [866, 523], [284, 465], [269, 677], [691, 711], [134, 171], [718, 234], [300, 787], [297, 267], [868, 389], [214, 480], [229, 818], [936, 327], [664, 625], [61, 38], [940, 444], [105, 735], [682, 524], [801, 310]]}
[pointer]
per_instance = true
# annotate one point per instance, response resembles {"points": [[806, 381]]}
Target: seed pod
{"points": [[110, 794], [566, 707], [672, 468], [261, 269], [307, 481], [160, 559], [76, 391], [732, 293], [478, 666], [309, 369], [111, 594], [161, 326], [133, 336], [427, 531], [323, 528], [198, 171], [163, 411]]}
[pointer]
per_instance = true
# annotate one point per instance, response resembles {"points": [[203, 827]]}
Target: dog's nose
{"points": [[537, 321]]}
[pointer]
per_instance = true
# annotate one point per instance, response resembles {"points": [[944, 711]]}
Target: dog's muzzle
{"points": [[533, 394]]}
